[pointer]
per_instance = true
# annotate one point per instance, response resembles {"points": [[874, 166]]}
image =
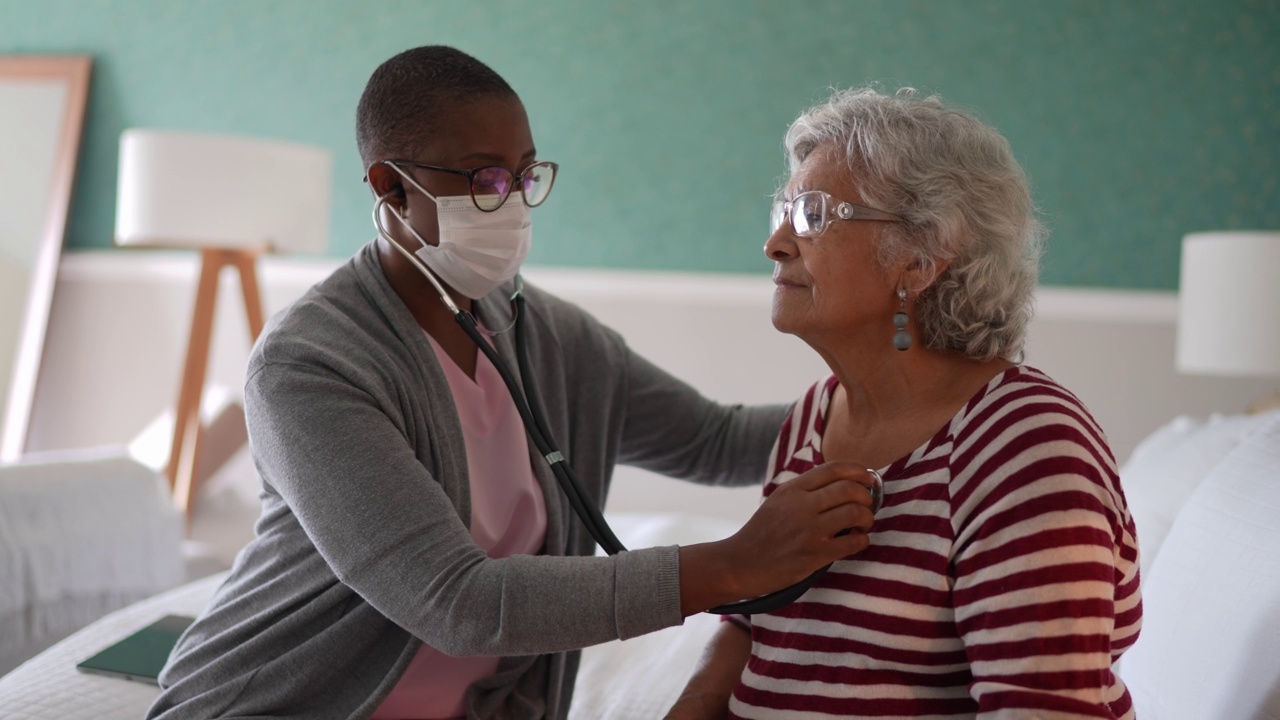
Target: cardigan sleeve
{"points": [[388, 530], [672, 429]]}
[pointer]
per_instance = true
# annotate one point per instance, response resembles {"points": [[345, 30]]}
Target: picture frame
{"points": [[42, 109]]}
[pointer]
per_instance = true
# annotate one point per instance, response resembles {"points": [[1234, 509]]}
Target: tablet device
{"points": [[142, 655]]}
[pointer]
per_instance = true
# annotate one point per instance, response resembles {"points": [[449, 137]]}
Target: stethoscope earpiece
{"points": [[399, 212]]}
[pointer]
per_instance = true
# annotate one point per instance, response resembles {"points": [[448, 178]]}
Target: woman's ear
{"points": [[384, 180], [916, 276]]}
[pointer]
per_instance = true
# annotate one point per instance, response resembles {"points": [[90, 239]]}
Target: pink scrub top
{"points": [[508, 517]]}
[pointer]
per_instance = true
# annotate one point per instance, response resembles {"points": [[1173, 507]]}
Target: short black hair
{"points": [[406, 95]]}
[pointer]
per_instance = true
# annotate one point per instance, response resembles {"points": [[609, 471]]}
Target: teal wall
{"points": [[1137, 121]]}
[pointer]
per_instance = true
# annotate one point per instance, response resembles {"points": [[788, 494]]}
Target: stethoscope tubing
{"points": [[527, 405], [590, 515]]}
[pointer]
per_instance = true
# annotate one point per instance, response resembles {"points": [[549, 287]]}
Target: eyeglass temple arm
{"points": [[849, 211]]}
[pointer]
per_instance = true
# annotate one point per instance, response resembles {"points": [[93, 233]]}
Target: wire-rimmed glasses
{"points": [[492, 184], [811, 213]]}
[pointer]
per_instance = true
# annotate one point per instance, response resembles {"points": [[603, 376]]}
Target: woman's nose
{"points": [[781, 245]]}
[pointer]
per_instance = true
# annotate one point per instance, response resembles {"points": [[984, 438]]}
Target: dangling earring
{"points": [[901, 338]]}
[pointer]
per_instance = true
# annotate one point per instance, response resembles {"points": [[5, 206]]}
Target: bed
{"points": [[637, 678]]}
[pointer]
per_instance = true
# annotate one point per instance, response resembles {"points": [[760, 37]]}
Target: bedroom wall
{"points": [[1137, 121]]}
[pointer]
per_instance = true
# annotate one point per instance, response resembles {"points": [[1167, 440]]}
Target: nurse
{"points": [[414, 558]]}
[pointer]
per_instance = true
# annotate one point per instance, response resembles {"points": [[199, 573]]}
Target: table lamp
{"points": [[1229, 306], [233, 199]]}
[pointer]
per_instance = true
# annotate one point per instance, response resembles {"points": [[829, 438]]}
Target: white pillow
{"points": [[1210, 641], [1167, 466], [82, 533]]}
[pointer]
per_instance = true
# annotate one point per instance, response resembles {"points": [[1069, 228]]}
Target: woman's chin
{"points": [[786, 322], [791, 311]]}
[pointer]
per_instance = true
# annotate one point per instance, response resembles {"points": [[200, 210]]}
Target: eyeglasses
{"points": [[811, 213], [491, 184]]}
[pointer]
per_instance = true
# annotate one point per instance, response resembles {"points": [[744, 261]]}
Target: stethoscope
{"points": [[527, 400]]}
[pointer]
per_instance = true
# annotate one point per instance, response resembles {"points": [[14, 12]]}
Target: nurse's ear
{"points": [[383, 180]]}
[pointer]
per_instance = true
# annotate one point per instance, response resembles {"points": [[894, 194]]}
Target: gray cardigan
{"points": [[362, 550]]}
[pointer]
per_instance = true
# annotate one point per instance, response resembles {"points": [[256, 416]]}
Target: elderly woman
{"points": [[1002, 578]]}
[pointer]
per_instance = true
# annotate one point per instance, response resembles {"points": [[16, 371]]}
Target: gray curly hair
{"points": [[965, 201]]}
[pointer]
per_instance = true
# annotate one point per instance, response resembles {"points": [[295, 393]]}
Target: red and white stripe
{"points": [[1001, 580]]}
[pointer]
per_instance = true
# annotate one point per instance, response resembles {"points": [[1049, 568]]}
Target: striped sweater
{"points": [[1001, 580]]}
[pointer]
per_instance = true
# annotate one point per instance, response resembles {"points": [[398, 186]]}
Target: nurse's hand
{"points": [[807, 522]]}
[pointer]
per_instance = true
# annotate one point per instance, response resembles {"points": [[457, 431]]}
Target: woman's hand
{"points": [[807, 522], [706, 697]]}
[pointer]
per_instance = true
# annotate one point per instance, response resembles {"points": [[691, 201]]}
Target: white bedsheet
{"points": [[48, 687], [638, 678]]}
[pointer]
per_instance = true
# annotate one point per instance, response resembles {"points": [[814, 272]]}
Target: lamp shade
{"points": [[181, 189], [1229, 304]]}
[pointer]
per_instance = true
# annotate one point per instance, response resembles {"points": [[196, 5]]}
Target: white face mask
{"points": [[478, 250]]}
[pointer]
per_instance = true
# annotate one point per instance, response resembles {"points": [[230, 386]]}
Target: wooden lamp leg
{"points": [[185, 448], [247, 263]]}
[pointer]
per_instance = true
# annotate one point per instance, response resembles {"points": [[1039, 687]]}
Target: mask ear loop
{"points": [[413, 259], [384, 199]]}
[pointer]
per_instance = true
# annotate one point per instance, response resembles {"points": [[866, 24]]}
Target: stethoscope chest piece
{"points": [[877, 491]]}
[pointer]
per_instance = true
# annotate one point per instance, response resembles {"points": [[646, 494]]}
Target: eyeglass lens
{"points": [[491, 185], [808, 213]]}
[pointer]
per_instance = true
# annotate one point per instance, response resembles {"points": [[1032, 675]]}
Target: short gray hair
{"points": [[965, 201]]}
